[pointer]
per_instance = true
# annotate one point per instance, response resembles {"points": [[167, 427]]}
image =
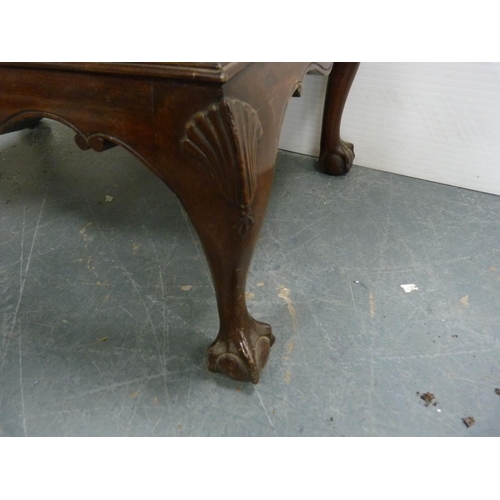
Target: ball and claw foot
{"points": [[339, 161], [241, 355]]}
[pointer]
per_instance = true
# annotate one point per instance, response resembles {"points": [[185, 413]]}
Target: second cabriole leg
{"points": [[336, 156]]}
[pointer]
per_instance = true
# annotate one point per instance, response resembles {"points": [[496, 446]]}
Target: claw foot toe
{"points": [[339, 161], [242, 356]]}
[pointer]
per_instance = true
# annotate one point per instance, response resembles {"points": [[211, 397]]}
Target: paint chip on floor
{"points": [[372, 305], [285, 295], [83, 230], [468, 421], [411, 287], [108, 198]]}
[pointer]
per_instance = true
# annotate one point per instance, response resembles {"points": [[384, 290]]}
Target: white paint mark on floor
{"points": [[372, 305], [285, 295], [86, 236]]}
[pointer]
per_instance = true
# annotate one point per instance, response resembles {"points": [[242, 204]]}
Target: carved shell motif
{"points": [[225, 138]]}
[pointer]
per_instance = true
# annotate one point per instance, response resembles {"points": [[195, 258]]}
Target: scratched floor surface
{"points": [[106, 307]]}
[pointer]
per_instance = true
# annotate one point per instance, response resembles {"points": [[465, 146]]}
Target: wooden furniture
{"points": [[210, 131]]}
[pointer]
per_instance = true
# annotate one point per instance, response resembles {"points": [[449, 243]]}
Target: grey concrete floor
{"points": [[106, 307]]}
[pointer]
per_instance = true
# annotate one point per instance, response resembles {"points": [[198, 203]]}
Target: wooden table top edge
{"points": [[203, 72], [186, 71]]}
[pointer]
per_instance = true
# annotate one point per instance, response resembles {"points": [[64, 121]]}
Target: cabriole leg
{"points": [[226, 205], [336, 155]]}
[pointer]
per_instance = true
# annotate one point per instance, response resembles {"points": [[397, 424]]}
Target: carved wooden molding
{"points": [[225, 138], [96, 142], [30, 118]]}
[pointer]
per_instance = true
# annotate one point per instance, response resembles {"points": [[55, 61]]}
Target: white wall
{"points": [[434, 121]]}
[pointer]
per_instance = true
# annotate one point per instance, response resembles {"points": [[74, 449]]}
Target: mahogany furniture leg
{"points": [[226, 198], [336, 155]]}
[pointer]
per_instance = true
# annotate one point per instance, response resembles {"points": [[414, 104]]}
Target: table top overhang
{"points": [[190, 71]]}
